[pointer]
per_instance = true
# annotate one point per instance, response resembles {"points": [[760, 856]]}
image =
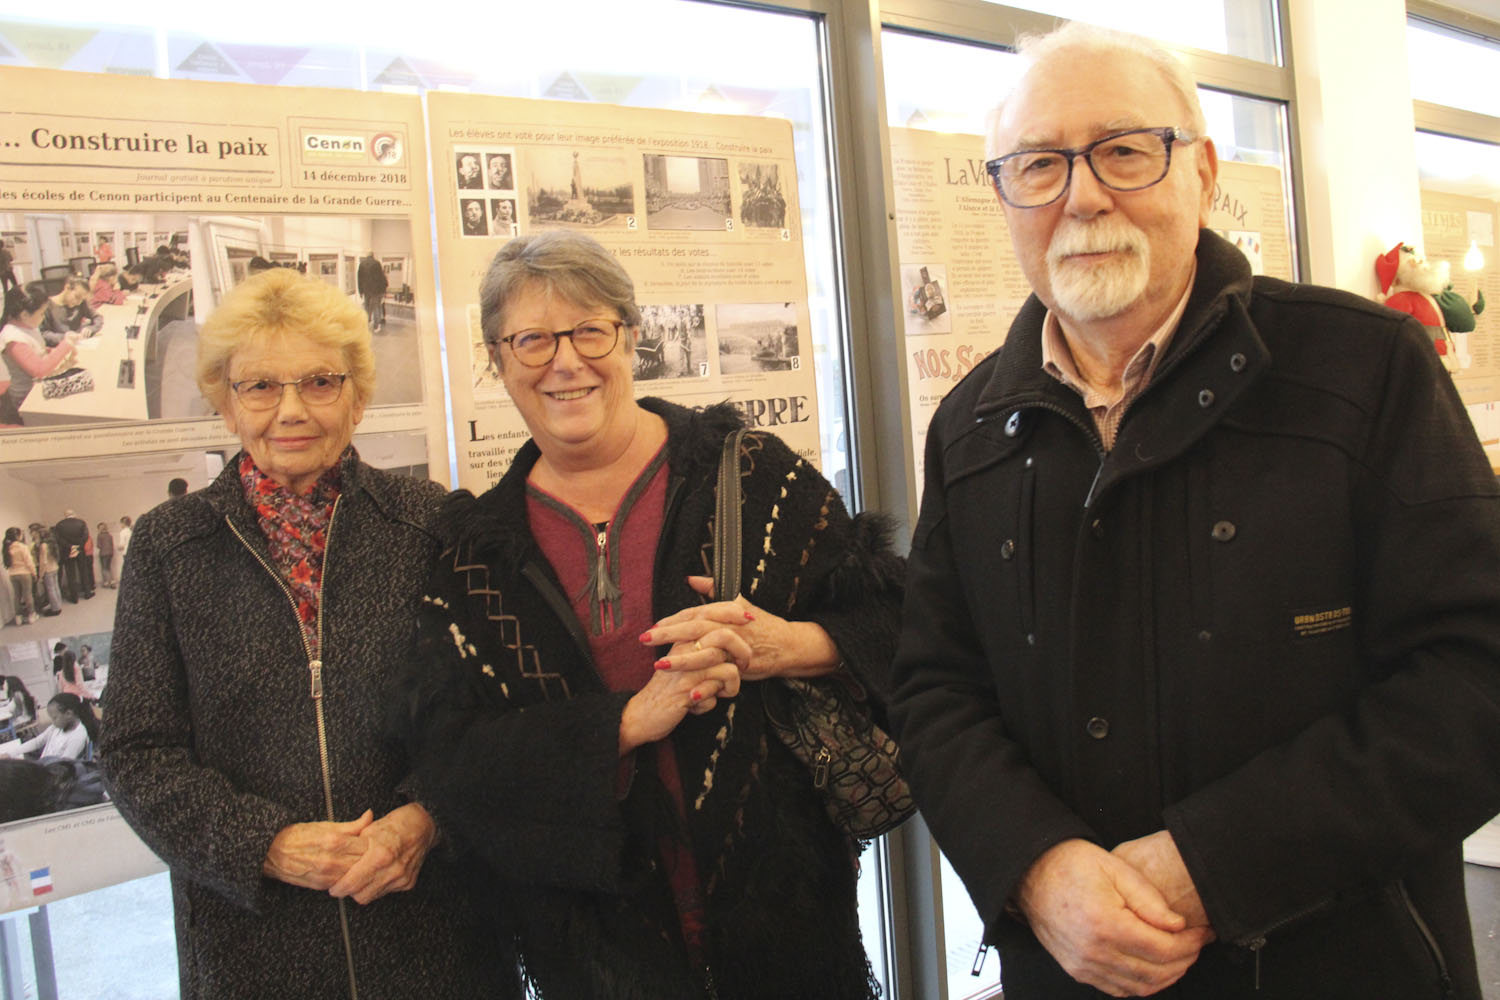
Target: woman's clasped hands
{"points": [[363, 858]]}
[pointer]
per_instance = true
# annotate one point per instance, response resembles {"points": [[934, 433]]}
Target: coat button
{"points": [[1237, 362], [1097, 528], [1008, 548], [1206, 398], [1013, 425], [1224, 531], [1097, 728], [1205, 636], [1031, 638]]}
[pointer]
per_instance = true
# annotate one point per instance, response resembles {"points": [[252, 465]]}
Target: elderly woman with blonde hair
{"points": [[259, 619]]}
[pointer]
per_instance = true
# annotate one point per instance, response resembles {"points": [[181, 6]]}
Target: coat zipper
{"points": [[315, 671], [1428, 938]]}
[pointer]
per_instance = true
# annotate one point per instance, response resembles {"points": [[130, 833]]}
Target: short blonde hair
{"points": [[278, 303]]}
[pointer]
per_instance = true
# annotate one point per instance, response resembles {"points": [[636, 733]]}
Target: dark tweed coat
{"points": [[210, 746]]}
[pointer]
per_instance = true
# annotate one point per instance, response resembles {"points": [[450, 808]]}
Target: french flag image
{"points": [[41, 881]]}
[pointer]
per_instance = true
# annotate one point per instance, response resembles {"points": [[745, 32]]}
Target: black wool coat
{"points": [[516, 741], [210, 746], [1267, 620]]}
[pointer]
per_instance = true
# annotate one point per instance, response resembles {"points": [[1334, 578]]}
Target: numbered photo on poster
{"points": [[926, 299], [757, 337], [503, 216], [587, 188], [687, 192], [133, 318], [673, 343], [762, 202]]}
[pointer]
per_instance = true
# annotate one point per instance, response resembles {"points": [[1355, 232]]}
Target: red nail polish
{"points": [[749, 617], [697, 695], [662, 664], [646, 637]]}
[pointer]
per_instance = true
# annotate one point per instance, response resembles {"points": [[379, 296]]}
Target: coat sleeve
{"points": [[190, 815], [530, 788], [987, 807], [1412, 764]]}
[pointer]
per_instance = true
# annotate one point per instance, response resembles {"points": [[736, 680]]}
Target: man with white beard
{"points": [[1416, 285], [1199, 680]]}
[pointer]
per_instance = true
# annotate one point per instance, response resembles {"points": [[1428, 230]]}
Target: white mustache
{"points": [[1076, 240]]}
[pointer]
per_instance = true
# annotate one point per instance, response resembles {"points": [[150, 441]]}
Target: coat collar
{"points": [[1018, 379], [1215, 357]]}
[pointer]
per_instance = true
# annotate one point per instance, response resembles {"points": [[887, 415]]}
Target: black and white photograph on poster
{"points": [[589, 188], [762, 203], [926, 299], [503, 216], [471, 215], [485, 374], [687, 192], [672, 343], [121, 335], [498, 172], [757, 337], [467, 170]]}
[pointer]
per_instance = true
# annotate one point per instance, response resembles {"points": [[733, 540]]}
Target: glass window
{"points": [[1245, 28], [1453, 67], [1458, 166]]}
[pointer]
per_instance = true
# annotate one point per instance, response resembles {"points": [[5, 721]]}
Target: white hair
{"points": [[1092, 40]]}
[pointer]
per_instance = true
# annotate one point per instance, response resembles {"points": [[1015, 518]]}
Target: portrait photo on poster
{"points": [[687, 192], [673, 343], [762, 202], [498, 173], [467, 170], [120, 335], [757, 337], [926, 298], [584, 189]]}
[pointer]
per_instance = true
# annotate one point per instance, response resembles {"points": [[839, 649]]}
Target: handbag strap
{"points": [[727, 529]]}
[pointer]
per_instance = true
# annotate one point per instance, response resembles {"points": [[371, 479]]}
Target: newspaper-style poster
{"points": [[700, 209], [1249, 210], [146, 200], [961, 284]]}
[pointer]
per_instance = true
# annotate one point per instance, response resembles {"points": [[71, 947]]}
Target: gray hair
{"points": [[563, 263], [1091, 39]]}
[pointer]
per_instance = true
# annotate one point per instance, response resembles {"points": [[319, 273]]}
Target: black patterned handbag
{"points": [[825, 722]]}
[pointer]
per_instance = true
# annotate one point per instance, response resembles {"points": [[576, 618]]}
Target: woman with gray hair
{"points": [[259, 621], [593, 727]]}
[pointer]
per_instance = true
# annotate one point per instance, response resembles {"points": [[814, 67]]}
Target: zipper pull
{"points": [[1255, 947], [978, 967], [821, 760], [604, 587], [316, 668]]}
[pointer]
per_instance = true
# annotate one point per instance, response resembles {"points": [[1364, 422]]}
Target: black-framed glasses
{"points": [[592, 339], [1124, 161], [266, 393]]}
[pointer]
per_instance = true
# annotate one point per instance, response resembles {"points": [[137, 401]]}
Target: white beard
{"points": [[1093, 291], [1422, 275]]}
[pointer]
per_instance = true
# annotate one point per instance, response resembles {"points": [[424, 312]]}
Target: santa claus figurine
{"points": [[1411, 283]]}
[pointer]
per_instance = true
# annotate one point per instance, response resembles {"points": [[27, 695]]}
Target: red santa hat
{"points": [[1386, 265]]}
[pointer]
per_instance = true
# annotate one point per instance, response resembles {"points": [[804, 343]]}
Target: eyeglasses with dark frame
{"points": [[1123, 161], [592, 339], [266, 393]]}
